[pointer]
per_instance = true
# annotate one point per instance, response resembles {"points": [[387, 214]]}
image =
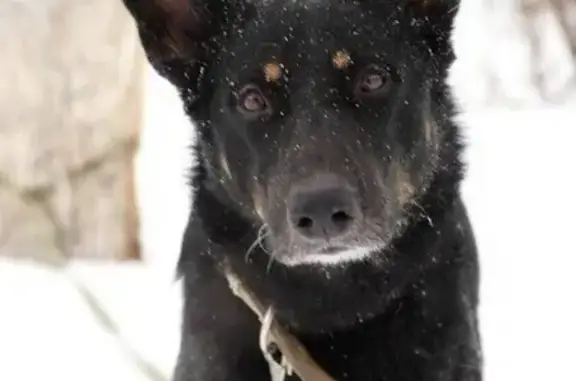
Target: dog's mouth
{"points": [[293, 251], [330, 256], [332, 250]]}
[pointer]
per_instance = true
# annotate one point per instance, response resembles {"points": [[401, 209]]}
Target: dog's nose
{"points": [[322, 208]]}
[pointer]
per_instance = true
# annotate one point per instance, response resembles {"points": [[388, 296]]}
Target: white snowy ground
{"points": [[520, 191]]}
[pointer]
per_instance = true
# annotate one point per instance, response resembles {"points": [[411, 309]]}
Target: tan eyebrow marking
{"points": [[272, 71], [341, 59]]}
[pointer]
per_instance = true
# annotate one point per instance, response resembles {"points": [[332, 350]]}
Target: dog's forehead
{"points": [[307, 38], [294, 3], [314, 14], [316, 25]]}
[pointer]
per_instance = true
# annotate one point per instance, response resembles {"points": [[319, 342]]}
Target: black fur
{"points": [[405, 312]]}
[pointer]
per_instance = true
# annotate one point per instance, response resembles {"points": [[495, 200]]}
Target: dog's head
{"points": [[322, 120]]}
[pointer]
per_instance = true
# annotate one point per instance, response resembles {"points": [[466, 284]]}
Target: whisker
{"points": [[265, 232], [423, 211], [274, 254], [272, 257], [261, 235]]}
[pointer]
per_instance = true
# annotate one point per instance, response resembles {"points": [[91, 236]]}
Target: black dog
{"points": [[328, 180]]}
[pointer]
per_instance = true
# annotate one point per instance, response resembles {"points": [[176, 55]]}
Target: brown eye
{"points": [[372, 82], [251, 100]]}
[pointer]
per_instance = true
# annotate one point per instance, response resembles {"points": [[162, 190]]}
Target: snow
{"points": [[48, 330], [520, 194], [519, 190]]}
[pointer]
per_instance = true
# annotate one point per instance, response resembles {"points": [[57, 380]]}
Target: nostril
{"points": [[304, 222], [341, 218]]}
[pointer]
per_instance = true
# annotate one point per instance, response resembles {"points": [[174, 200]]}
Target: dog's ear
{"points": [[181, 36], [434, 19]]}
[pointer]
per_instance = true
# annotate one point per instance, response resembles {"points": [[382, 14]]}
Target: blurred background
{"points": [[93, 197]]}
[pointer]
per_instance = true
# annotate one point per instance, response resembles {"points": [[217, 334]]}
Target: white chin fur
{"points": [[333, 259]]}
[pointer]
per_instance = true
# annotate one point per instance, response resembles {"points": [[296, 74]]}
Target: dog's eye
{"points": [[372, 81], [251, 100]]}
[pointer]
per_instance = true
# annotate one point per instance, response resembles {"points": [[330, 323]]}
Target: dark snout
{"points": [[323, 207]]}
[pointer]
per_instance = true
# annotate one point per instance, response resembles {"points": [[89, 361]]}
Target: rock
{"points": [[516, 53], [70, 109]]}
